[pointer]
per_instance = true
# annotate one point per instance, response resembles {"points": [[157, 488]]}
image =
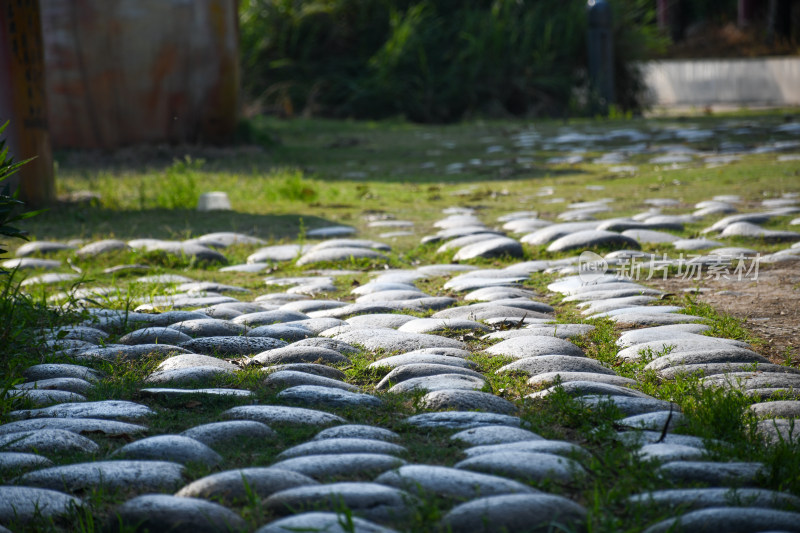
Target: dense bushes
{"points": [[430, 60]]}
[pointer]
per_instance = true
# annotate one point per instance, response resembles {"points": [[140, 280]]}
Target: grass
{"points": [[720, 325], [324, 172], [329, 171], [22, 316]]}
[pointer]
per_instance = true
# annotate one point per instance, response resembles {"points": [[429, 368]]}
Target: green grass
{"points": [[720, 324], [325, 172]]}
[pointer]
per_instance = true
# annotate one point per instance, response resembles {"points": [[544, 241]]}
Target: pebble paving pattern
{"points": [[505, 476]]}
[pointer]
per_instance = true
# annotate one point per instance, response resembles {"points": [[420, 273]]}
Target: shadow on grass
{"points": [[72, 221], [343, 151]]}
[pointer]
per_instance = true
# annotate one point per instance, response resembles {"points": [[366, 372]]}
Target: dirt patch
{"points": [[769, 305]]}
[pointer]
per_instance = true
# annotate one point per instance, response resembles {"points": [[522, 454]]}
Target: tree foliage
{"points": [[433, 60], [10, 206]]}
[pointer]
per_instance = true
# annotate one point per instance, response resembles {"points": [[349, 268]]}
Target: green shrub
{"points": [[431, 60]]}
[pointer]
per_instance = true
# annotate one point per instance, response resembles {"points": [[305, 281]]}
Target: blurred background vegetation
{"points": [[434, 61]]}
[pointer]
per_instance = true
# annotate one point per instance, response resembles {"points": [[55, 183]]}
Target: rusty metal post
{"points": [[22, 99]]}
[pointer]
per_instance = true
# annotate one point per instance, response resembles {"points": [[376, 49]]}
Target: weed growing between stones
{"points": [[123, 378], [23, 316], [359, 373], [722, 325], [509, 385]]}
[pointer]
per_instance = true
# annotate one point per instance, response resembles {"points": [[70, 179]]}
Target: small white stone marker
{"points": [[214, 201]]}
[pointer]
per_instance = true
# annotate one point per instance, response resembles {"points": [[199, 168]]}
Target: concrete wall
{"points": [[762, 81]]}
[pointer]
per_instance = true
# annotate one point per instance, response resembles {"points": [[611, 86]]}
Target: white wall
{"points": [[763, 81]]}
